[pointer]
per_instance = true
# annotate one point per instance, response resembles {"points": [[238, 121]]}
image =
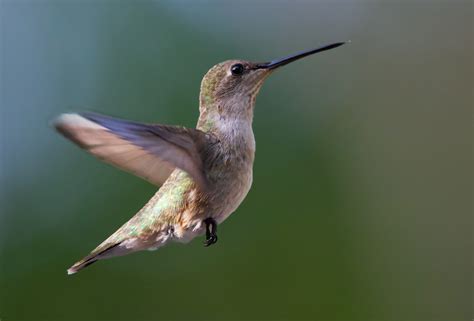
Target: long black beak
{"points": [[286, 60]]}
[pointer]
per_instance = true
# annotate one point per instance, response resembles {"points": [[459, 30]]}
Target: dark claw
{"points": [[211, 229], [210, 240]]}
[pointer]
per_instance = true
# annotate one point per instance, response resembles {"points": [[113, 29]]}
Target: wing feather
{"points": [[150, 151]]}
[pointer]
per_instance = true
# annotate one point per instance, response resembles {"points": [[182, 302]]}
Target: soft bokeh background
{"points": [[361, 207]]}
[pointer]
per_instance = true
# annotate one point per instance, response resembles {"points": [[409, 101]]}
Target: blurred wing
{"points": [[146, 150]]}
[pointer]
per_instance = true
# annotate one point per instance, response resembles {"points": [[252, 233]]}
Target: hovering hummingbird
{"points": [[204, 172]]}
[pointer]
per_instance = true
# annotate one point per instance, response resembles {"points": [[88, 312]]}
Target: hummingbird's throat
{"points": [[227, 116]]}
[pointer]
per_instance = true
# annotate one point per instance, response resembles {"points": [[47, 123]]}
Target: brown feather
{"points": [[148, 151]]}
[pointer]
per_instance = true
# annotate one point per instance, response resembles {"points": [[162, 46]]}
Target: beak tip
{"points": [[283, 61]]}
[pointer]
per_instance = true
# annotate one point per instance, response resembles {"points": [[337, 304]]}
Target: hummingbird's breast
{"points": [[230, 170]]}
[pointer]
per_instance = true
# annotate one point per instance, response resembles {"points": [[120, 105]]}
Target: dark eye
{"points": [[237, 69]]}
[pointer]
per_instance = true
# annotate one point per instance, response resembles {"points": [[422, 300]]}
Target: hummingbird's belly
{"points": [[224, 197], [231, 194]]}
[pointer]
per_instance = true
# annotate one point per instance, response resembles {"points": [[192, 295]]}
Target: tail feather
{"points": [[118, 246], [80, 265], [91, 258]]}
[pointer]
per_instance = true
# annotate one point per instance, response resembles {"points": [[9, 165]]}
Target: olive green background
{"points": [[361, 206]]}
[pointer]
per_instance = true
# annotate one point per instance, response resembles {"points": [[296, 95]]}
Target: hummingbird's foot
{"points": [[211, 229]]}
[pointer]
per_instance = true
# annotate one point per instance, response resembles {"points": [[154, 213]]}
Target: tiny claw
{"points": [[212, 239], [211, 228]]}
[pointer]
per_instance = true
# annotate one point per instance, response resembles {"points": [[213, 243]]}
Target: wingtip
{"points": [[73, 120], [67, 118], [64, 118], [64, 121]]}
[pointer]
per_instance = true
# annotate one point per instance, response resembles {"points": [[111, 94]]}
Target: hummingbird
{"points": [[204, 172]]}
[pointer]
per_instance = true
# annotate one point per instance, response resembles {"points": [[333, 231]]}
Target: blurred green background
{"points": [[361, 207]]}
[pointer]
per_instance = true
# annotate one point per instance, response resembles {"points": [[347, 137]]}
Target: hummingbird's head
{"points": [[230, 82], [228, 89]]}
